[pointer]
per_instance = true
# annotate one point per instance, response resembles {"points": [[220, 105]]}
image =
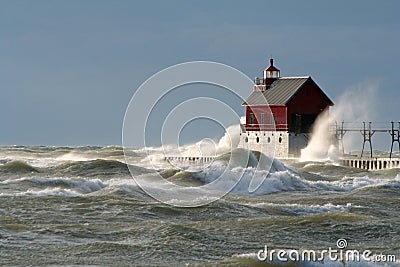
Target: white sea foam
{"points": [[274, 179], [352, 183], [81, 185], [302, 209], [279, 178], [49, 191], [76, 156], [36, 162], [154, 156], [277, 181]]}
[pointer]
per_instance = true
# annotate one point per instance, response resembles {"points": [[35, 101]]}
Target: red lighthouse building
{"points": [[280, 112]]}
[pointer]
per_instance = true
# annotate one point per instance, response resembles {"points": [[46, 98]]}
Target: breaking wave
{"points": [[55, 186], [303, 209], [17, 167], [280, 178], [113, 176], [90, 168]]}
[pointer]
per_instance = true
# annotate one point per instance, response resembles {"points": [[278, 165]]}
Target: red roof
{"points": [[271, 67]]}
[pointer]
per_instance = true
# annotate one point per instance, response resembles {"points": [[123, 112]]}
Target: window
{"points": [[258, 139], [272, 119], [263, 119], [296, 123], [252, 118], [246, 139]]}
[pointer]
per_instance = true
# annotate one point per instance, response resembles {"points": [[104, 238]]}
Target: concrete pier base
{"points": [[359, 163], [371, 163], [193, 160]]}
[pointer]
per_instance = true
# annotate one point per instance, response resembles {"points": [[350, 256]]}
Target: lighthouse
{"points": [[280, 112]]}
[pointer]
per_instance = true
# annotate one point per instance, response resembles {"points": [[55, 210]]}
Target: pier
{"points": [[371, 163], [190, 160], [367, 131]]}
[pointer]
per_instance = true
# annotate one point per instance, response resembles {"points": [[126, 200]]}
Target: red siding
{"points": [[309, 100], [256, 110], [279, 116]]}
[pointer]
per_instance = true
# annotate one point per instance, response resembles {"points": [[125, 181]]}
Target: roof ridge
{"points": [[295, 77], [282, 90]]}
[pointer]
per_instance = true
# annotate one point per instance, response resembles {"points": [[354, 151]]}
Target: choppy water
{"points": [[79, 206]]}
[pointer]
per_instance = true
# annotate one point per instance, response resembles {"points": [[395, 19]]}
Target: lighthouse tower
{"points": [[271, 73], [280, 112]]}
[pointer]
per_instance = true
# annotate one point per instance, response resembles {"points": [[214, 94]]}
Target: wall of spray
{"points": [[355, 105]]}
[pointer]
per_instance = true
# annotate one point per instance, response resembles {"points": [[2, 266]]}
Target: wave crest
{"points": [[17, 167]]}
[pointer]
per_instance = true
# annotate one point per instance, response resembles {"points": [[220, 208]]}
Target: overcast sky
{"points": [[69, 68]]}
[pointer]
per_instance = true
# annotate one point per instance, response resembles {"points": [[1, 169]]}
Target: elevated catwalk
{"points": [[367, 130]]}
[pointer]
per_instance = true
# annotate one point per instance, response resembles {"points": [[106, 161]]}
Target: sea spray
{"points": [[320, 147], [207, 147], [355, 105], [155, 156], [230, 140]]}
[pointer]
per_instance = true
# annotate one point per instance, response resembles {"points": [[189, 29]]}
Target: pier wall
{"points": [[371, 163], [359, 163], [192, 159]]}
